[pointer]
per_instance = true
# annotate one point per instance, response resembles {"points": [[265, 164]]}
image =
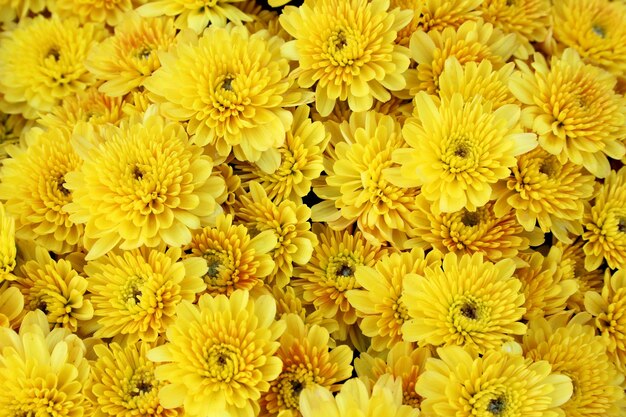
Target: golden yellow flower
{"points": [[42, 62], [196, 14], [8, 250], [290, 224], [42, 372], [110, 12], [307, 361], [235, 260], [585, 122], [379, 301], [34, 187], [467, 301], [497, 383], [11, 9], [135, 293], [384, 399], [11, 305], [573, 349], [124, 384], [465, 231], [473, 41], [127, 58], [329, 274], [220, 355], [145, 184], [440, 14], [347, 49], [239, 104], [605, 224], [573, 265], [301, 160], [457, 163], [594, 28], [12, 128]]}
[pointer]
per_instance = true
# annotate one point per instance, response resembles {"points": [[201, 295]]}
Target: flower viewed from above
{"points": [[585, 122], [42, 62], [347, 50], [8, 250], [135, 293], [110, 12], [456, 164], [11, 305], [144, 185], [498, 383], [220, 355], [467, 301]]}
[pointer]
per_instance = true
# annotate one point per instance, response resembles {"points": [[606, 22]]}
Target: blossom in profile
{"points": [[11, 305], [8, 250], [53, 68], [135, 293], [347, 50], [497, 383], [110, 12], [144, 184], [585, 122], [457, 164], [220, 356]]}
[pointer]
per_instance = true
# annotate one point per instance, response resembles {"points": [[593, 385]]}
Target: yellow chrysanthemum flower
{"points": [[594, 28], [135, 293], [110, 12], [440, 14], [403, 361], [42, 62], [605, 224], [127, 58], [573, 265], [301, 160], [220, 354], [465, 231], [347, 49], [143, 185], [307, 361], [42, 372], [585, 122], [196, 14], [545, 191], [235, 260], [8, 250], [384, 399], [239, 104], [473, 41], [497, 383], [379, 301], [12, 128], [11, 9], [33, 184], [573, 349], [11, 305], [457, 163], [289, 223], [124, 383], [466, 301]]}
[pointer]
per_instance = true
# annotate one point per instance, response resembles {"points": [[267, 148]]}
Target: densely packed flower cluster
{"points": [[314, 208]]}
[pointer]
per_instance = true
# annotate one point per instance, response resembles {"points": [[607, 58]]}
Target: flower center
{"points": [[60, 185], [460, 155], [222, 362], [621, 224], [227, 84], [471, 218], [131, 293], [598, 30], [549, 166], [469, 310], [344, 48], [340, 272], [137, 173], [290, 386], [54, 54], [497, 406]]}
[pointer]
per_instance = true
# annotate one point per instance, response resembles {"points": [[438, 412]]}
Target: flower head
{"points": [[8, 250], [110, 12]]}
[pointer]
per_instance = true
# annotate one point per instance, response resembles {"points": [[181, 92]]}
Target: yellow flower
{"points": [[605, 224], [357, 399], [196, 14], [42, 372], [594, 28], [301, 160], [135, 293], [457, 163], [12, 128], [573, 349], [585, 122], [11, 305], [235, 260], [221, 355], [440, 14], [380, 302], [473, 41], [143, 185], [42, 62], [239, 104], [127, 58], [8, 250], [35, 189], [124, 384], [542, 189], [465, 231], [9, 10], [466, 301], [347, 49], [497, 383], [110, 12], [289, 223], [573, 265], [307, 361]]}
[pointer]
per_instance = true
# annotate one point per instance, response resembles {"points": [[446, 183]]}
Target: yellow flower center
{"points": [[401, 313], [340, 272], [344, 47], [460, 155], [496, 401], [140, 389], [290, 385], [131, 292], [467, 314], [222, 362], [598, 30]]}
